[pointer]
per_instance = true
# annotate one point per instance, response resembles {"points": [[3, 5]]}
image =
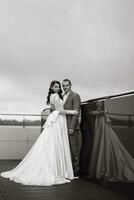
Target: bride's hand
{"points": [[69, 112], [76, 112]]}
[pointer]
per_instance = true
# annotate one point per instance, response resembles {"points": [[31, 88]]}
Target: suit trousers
{"points": [[75, 145]]}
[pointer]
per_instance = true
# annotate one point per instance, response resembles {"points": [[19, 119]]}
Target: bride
{"points": [[49, 160]]}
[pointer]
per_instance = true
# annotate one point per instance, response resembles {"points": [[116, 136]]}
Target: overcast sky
{"points": [[90, 42]]}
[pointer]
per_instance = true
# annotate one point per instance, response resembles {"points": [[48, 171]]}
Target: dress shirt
{"points": [[65, 96]]}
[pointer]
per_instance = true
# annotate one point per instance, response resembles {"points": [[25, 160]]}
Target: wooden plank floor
{"points": [[79, 189]]}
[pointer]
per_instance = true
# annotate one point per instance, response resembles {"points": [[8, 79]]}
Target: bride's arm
{"points": [[69, 112]]}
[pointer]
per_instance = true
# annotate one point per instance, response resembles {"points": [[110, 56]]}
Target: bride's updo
{"points": [[52, 92]]}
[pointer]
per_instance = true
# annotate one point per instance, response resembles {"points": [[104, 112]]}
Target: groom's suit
{"points": [[73, 102]]}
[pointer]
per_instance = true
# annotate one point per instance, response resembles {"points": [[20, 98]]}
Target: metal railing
{"points": [[23, 122], [109, 97], [128, 122]]}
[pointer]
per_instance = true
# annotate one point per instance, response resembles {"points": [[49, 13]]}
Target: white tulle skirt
{"points": [[49, 160]]}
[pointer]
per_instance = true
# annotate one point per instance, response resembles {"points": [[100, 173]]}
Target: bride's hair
{"points": [[52, 92]]}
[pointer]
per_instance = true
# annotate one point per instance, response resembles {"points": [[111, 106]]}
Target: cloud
{"points": [[90, 42]]}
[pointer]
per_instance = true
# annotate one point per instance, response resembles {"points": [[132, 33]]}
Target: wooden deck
{"points": [[80, 189]]}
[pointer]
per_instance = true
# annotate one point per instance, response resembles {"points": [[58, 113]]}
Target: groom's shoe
{"points": [[76, 175]]}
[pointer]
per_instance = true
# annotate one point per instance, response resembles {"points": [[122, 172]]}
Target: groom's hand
{"points": [[70, 131]]}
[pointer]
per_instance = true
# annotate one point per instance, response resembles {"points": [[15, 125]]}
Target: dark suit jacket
{"points": [[72, 102]]}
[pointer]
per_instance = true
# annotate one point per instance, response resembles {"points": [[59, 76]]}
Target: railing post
{"points": [[129, 121], [23, 121]]}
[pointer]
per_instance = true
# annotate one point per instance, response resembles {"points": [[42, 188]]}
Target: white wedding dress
{"points": [[49, 160]]}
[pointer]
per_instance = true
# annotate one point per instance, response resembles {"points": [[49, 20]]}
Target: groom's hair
{"points": [[70, 83]]}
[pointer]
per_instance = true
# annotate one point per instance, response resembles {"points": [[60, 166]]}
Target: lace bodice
{"points": [[56, 101]]}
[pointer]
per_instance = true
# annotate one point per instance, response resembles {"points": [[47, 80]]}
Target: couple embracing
{"points": [[54, 157]]}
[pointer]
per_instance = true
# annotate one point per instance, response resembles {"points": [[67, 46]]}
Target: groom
{"points": [[72, 102]]}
